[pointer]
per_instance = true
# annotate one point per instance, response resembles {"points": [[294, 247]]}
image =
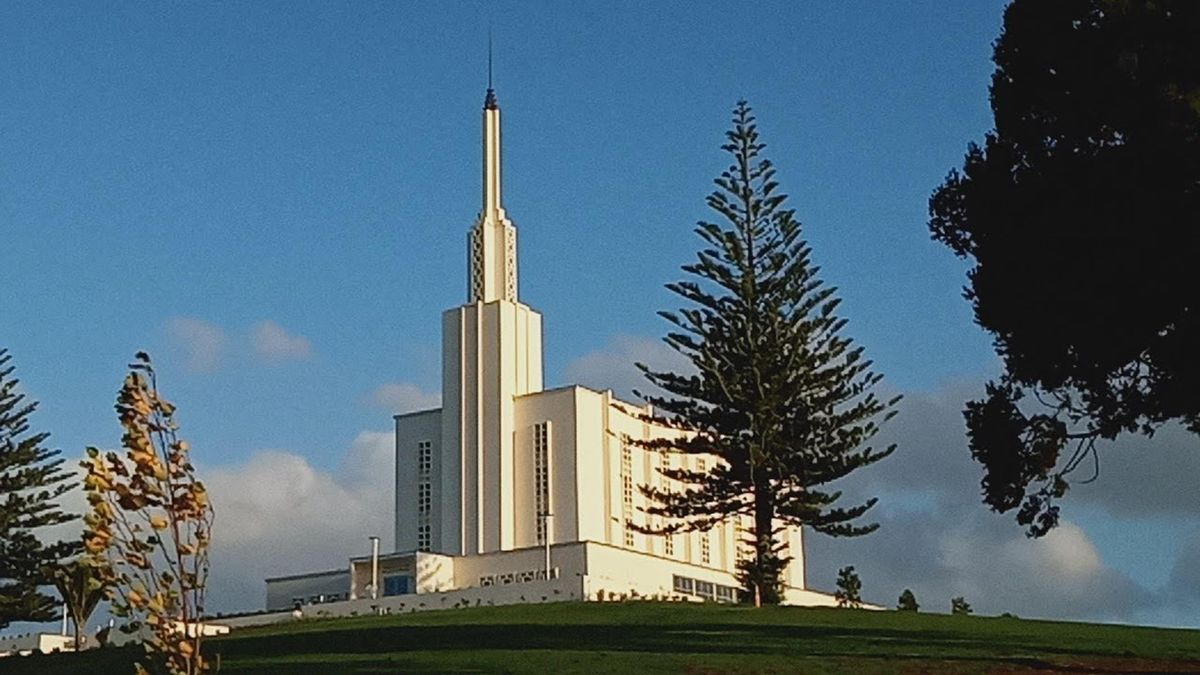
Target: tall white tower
{"points": [[491, 353]]}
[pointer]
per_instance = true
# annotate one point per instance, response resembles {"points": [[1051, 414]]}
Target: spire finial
{"points": [[489, 102]]}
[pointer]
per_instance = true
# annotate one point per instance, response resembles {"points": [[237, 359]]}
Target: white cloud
{"points": [[1146, 477], [1183, 589], [612, 367], [278, 514], [274, 343], [938, 538], [1068, 553], [402, 397], [203, 343], [988, 560]]}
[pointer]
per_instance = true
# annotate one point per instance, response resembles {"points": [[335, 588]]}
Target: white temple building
{"points": [[515, 493]]}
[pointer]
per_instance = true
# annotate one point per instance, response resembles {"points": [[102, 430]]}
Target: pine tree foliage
{"points": [[31, 482], [849, 588], [908, 601], [779, 396]]}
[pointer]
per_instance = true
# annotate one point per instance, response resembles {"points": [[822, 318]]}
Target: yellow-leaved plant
{"points": [[148, 529]]}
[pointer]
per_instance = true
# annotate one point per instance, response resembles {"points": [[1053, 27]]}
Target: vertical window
{"points": [[627, 492], [664, 463], [424, 458], [424, 498], [541, 477], [701, 465], [705, 549], [741, 539], [424, 495]]}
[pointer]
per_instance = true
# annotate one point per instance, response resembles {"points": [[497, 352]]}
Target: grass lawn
{"points": [[673, 638]]}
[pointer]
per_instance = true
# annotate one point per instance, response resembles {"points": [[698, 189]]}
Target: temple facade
{"points": [[511, 492]]}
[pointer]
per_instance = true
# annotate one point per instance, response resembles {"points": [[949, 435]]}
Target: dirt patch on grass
{"points": [[1102, 666]]}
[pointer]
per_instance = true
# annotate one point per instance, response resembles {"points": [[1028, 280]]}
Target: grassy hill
{"points": [[673, 638]]}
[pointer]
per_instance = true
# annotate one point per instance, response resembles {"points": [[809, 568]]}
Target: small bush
{"points": [[959, 606]]}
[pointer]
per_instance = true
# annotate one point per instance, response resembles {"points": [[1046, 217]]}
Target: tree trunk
{"points": [[764, 520]]}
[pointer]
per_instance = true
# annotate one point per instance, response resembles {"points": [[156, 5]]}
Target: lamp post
{"points": [[374, 568]]}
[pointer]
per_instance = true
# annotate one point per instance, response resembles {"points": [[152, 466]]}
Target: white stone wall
{"points": [[412, 429], [808, 598], [616, 570], [27, 643], [455, 409], [567, 559], [430, 572], [580, 571], [557, 407], [555, 590], [627, 573], [492, 354], [605, 427]]}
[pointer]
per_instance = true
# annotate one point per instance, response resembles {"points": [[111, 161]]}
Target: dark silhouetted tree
{"points": [[779, 396], [31, 483], [849, 588], [82, 590], [1081, 214], [908, 601], [959, 606]]}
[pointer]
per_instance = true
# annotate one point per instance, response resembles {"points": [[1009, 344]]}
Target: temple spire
{"points": [[489, 101], [491, 156], [493, 240]]}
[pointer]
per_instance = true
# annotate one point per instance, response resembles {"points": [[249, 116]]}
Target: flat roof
{"points": [[414, 413], [601, 392], [327, 573], [391, 556], [551, 390]]}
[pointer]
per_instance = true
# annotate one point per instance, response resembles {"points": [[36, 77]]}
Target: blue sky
{"points": [[272, 198]]}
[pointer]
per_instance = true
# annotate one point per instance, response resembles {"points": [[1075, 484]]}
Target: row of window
{"points": [[424, 495], [319, 598], [627, 492], [541, 483], [476, 243], [706, 590], [424, 458], [665, 462], [541, 478]]}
